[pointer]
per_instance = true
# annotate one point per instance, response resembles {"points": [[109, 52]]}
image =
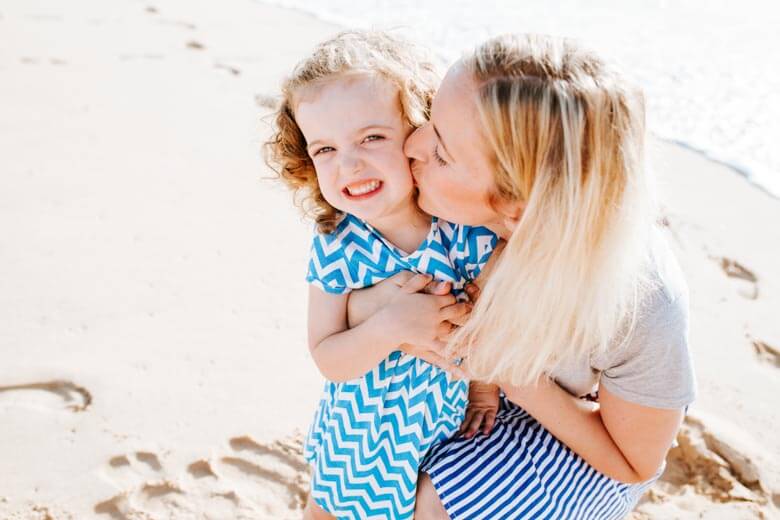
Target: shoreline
{"points": [[761, 175]]}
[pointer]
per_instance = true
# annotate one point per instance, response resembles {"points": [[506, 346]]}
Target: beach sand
{"points": [[152, 301]]}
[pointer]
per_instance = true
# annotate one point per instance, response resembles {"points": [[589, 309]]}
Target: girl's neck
{"points": [[406, 227]]}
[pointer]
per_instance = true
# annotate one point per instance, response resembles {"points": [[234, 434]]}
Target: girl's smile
{"points": [[362, 190]]}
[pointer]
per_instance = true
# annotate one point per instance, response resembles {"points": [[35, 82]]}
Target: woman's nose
{"points": [[412, 146]]}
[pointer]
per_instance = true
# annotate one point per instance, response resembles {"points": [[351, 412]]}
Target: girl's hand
{"points": [[421, 319], [482, 409], [367, 302]]}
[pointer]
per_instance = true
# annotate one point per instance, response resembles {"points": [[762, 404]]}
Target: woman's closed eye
{"points": [[438, 158]]}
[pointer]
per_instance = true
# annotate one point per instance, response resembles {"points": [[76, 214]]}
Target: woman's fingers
{"points": [[454, 312], [445, 300], [472, 290], [416, 283], [438, 288], [444, 330], [434, 353]]}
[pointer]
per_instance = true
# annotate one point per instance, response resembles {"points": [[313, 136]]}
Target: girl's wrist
{"points": [[385, 336]]}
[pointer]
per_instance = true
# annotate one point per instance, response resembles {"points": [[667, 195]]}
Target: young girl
{"points": [[340, 130]]}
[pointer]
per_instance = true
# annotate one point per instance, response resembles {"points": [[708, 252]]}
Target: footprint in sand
{"points": [[233, 70], [51, 394], [266, 101], [195, 45], [765, 352], [717, 464], [748, 280], [245, 479]]}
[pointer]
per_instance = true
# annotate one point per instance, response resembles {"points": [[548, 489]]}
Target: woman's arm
{"points": [[623, 440]]}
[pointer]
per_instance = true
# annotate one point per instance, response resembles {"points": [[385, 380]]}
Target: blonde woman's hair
{"points": [[370, 53], [567, 137]]}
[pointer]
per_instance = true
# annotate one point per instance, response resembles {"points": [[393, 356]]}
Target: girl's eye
{"points": [[324, 149], [374, 137], [438, 158]]}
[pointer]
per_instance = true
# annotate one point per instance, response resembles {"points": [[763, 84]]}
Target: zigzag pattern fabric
{"points": [[370, 434], [521, 472], [356, 255]]}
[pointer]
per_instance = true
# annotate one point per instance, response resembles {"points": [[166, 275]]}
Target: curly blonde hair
{"points": [[349, 53]]}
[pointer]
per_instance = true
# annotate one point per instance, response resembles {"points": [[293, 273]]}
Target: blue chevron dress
{"points": [[370, 434]]}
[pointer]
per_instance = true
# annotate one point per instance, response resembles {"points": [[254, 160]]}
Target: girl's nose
{"points": [[350, 163], [412, 147]]}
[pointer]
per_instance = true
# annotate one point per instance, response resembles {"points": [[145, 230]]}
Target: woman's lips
{"points": [[363, 189]]}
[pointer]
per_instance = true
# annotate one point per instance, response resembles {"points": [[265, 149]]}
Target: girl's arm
{"points": [[343, 353], [623, 440], [340, 353]]}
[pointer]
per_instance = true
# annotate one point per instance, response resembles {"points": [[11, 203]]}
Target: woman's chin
{"points": [[427, 207], [437, 211]]}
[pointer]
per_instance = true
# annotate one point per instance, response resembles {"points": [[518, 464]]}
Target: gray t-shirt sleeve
{"points": [[654, 367]]}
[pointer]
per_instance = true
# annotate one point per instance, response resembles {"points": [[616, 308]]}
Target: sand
{"points": [[152, 302]]}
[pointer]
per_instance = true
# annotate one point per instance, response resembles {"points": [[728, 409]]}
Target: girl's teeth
{"points": [[364, 188]]}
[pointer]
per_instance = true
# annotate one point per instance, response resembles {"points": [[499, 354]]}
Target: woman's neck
{"points": [[406, 227], [500, 229]]}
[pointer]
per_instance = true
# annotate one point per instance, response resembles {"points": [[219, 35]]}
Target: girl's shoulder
{"points": [[330, 255], [349, 231], [346, 224], [475, 242]]}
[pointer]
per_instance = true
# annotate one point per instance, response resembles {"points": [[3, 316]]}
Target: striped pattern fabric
{"points": [[521, 471], [370, 434]]}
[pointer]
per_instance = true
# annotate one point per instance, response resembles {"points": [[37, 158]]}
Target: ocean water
{"points": [[710, 69]]}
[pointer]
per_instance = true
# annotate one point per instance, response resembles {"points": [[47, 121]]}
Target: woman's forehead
{"points": [[455, 114]]}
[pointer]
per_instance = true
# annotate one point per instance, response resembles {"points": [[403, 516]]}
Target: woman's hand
{"points": [[482, 409], [436, 358]]}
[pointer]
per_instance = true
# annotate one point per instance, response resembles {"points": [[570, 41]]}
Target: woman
{"points": [[542, 142]]}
